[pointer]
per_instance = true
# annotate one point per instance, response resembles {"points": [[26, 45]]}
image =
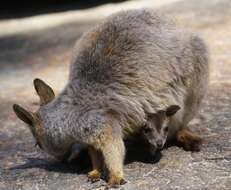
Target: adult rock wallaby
{"points": [[133, 63]]}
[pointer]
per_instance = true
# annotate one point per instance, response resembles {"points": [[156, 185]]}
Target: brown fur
{"points": [[97, 164], [190, 141]]}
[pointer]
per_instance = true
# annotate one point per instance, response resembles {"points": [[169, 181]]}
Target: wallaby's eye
{"points": [[166, 129]]}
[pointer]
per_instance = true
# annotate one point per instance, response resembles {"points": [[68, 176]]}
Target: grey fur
{"points": [[133, 63], [153, 65]]}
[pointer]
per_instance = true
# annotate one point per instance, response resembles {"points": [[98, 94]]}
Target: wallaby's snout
{"points": [[33, 119]]}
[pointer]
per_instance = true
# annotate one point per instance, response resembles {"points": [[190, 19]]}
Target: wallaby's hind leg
{"points": [[97, 164], [190, 141], [113, 152]]}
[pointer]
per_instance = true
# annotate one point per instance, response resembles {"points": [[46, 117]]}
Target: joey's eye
{"points": [[147, 130], [166, 129]]}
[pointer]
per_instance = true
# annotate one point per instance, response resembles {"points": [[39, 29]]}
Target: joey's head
{"points": [[155, 131], [38, 124]]}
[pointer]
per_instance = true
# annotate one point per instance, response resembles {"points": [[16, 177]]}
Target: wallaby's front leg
{"points": [[97, 164], [190, 141], [113, 153]]}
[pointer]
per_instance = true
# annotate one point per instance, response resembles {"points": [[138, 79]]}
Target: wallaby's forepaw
{"points": [[188, 140], [115, 182], [94, 176]]}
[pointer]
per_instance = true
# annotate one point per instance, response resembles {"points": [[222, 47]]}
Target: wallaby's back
{"points": [[138, 61]]}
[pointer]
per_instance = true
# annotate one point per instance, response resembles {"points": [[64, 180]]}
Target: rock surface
{"points": [[45, 53]]}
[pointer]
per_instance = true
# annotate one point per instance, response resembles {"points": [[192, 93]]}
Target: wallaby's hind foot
{"points": [[190, 141], [94, 176]]}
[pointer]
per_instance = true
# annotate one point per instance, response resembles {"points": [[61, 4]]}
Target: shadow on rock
{"points": [[79, 166], [136, 152]]}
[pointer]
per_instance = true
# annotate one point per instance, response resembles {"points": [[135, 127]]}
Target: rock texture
{"points": [[45, 53]]}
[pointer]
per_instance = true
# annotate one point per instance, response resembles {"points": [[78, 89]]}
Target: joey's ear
{"points": [[24, 115], [151, 115], [160, 113], [45, 92], [171, 110]]}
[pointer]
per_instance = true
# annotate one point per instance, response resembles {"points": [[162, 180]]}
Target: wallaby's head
{"points": [[37, 124], [155, 131]]}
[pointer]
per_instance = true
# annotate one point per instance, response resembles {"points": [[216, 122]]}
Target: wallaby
{"points": [[133, 63]]}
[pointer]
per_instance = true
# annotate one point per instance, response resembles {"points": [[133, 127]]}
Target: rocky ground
{"points": [[45, 53]]}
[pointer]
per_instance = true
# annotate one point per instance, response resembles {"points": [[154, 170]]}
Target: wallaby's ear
{"points": [[24, 115], [171, 110], [45, 92]]}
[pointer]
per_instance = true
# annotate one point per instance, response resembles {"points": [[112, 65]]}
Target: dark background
{"points": [[18, 9]]}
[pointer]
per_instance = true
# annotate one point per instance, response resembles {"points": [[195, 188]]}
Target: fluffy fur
{"points": [[133, 63]]}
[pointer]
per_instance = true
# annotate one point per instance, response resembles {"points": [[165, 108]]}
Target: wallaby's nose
{"points": [[159, 144]]}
